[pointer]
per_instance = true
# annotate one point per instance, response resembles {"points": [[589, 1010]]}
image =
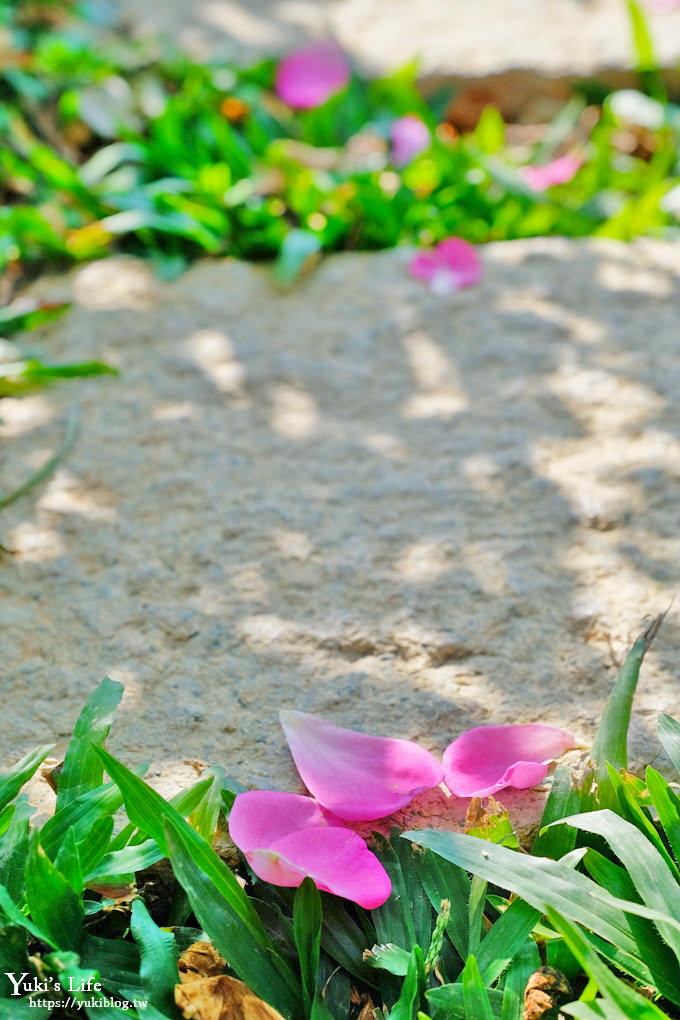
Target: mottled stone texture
{"points": [[409, 513]]}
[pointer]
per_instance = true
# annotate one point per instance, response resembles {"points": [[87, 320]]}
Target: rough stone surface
{"points": [[408, 513], [450, 37]]}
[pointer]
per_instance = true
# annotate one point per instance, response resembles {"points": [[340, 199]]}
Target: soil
{"points": [[407, 513]]}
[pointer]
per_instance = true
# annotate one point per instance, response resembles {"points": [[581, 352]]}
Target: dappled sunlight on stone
{"points": [[485, 560], [437, 377], [294, 414], [386, 445], [34, 543], [181, 411], [615, 276], [603, 400], [581, 328], [21, 415], [115, 282], [214, 354], [66, 494], [422, 562], [293, 544]]}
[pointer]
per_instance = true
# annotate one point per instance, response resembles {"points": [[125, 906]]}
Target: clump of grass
{"points": [[102, 917]]}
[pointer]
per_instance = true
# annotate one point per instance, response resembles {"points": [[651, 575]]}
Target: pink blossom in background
{"points": [[559, 171], [489, 758], [286, 838], [409, 136], [663, 5], [448, 267], [307, 77], [354, 775]]}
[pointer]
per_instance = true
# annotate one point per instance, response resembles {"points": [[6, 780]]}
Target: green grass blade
{"points": [[553, 884], [442, 880], [526, 961], [611, 740], [223, 911], [648, 870], [448, 1002], [307, 921], [562, 800], [669, 735], [83, 770], [476, 1000], [667, 805], [12, 780], [53, 904], [158, 960], [412, 988], [617, 995], [14, 850]]}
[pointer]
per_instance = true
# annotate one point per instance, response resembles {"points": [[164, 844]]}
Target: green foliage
{"points": [[186, 160]]}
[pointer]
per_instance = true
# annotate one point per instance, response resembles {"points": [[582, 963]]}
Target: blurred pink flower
{"points": [[489, 758], [453, 264], [559, 171], [663, 5], [307, 77], [354, 775], [286, 838], [409, 136]]}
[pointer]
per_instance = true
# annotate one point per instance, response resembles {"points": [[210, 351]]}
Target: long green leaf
{"points": [[476, 1000], [158, 960], [226, 915], [669, 735], [667, 805], [544, 883], [611, 741], [12, 780], [14, 850], [648, 870], [83, 770], [53, 904], [307, 921], [630, 1004]]}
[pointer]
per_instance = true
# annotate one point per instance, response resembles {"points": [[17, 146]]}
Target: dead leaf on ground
{"points": [[221, 998], [545, 990], [200, 960]]}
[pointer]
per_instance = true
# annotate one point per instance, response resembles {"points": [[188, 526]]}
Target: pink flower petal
{"points": [[309, 76], [488, 758], [286, 838], [354, 775], [409, 136], [559, 171], [453, 264]]}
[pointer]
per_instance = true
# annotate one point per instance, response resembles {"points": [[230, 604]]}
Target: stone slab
{"points": [[451, 38], [408, 513]]}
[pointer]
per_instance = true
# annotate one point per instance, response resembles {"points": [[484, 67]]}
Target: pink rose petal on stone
{"points": [[448, 267], [354, 775], [559, 171], [286, 838], [307, 77], [409, 136], [488, 758]]}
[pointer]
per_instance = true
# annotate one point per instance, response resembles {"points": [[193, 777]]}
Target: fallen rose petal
{"points": [[409, 136], [354, 775], [559, 171], [286, 838], [450, 266], [489, 758], [309, 76]]}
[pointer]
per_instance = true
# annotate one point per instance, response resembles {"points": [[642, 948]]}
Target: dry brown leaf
{"points": [[200, 960], [221, 998], [478, 816], [545, 989]]}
